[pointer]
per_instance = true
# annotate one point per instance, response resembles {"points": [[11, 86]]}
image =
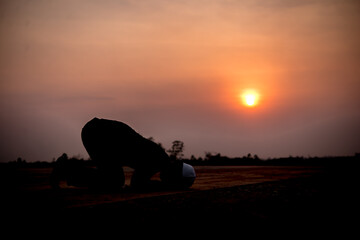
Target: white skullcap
{"points": [[188, 174]]}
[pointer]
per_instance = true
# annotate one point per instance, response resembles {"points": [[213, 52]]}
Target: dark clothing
{"points": [[112, 145]]}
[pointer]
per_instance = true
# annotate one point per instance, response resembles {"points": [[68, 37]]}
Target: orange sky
{"points": [[173, 70]]}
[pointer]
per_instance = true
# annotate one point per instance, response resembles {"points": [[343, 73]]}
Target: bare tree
{"points": [[176, 151]]}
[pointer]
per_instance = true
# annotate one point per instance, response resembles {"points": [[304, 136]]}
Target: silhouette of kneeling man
{"points": [[112, 145]]}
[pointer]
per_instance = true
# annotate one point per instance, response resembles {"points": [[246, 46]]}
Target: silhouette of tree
{"points": [[63, 158], [19, 160], [208, 156], [176, 151]]}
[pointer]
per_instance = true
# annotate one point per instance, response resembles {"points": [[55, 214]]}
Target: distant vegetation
{"points": [[211, 159], [249, 160], [218, 160]]}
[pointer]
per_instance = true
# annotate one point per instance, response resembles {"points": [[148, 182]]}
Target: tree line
{"points": [[176, 151]]}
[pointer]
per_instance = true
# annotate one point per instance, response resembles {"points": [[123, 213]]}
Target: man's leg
{"points": [[111, 177], [141, 179], [74, 172]]}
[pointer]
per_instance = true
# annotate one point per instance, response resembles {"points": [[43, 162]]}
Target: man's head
{"points": [[178, 174]]}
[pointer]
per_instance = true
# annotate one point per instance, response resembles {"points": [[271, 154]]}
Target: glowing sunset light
{"points": [[250, 98], [273, 78]]}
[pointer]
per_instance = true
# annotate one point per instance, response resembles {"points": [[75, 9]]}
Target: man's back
{"points": [[112, 144]]}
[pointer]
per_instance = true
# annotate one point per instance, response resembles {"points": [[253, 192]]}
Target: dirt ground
{"points": [[36, 181], [244, 193]]}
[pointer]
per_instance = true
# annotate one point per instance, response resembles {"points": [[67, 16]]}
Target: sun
{"points": [[250, 97]]}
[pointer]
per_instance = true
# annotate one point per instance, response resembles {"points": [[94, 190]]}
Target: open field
{"points": [[250, 193]]}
